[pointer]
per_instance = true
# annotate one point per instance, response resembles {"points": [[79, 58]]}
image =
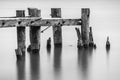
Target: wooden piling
{"points": [[49, 43], [56, 12], [79, 41], [57, 28], [34, 30], [91, 42], [85, 26], [20, 51]]}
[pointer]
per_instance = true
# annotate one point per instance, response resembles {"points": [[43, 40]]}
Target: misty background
{"points": [[105, 21]]}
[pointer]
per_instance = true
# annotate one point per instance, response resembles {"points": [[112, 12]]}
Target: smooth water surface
{"points": [[66, 63]]}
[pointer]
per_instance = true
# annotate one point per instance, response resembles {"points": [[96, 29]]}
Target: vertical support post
{"points": [[91, 42], [85, 26], [20, 35], [79, 42], [34, 31], [57, 30]]}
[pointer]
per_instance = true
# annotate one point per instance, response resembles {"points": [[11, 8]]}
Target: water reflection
{"points": [[48, 50], [20, 69], [108, 52], [57, 62], [34, 66], [84, 59]]}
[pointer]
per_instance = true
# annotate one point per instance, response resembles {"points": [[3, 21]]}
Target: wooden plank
{"points": [[37, 22], [34, 31], [85, 26]]}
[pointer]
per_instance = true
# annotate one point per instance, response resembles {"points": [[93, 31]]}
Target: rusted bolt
{"points": [[3, 23], [63, 22], [32, 22], [19, 22]]}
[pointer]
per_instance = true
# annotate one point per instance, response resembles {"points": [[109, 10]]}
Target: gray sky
{"points": [[104, 13]]}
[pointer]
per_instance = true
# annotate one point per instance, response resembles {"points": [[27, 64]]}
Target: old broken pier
{"points": [[34, 21]]}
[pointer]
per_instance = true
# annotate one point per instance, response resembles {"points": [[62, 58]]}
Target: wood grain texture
{"points": [[13, 22]]}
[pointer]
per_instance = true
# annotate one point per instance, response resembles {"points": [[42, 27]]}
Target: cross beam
{"points": [[37, 21]]}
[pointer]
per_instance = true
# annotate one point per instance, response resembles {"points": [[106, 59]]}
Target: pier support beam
{"points": [[85, 26], [20, 51], [57, 28], [34, 31]]}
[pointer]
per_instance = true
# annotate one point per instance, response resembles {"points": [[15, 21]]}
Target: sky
{"points": [[104, 14]]}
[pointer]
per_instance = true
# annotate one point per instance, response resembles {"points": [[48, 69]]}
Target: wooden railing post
{"points": [[20, 51], [57, 28], [85, 26], [34, 31]]}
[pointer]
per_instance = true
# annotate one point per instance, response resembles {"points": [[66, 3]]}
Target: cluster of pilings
{"points": [[34, 34], [85, 37]]}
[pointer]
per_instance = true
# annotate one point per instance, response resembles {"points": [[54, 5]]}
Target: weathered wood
{"points": [[57, 35], [85, 26], [49, 43], [37, 21], [57, 30], [79, 41], [91, 42], [34, 12], [56, 12], [108, 43], [34, 31], [20, 35]]}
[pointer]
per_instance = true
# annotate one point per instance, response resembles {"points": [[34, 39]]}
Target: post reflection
{"points": [[20, 64], [84, 59], [48, 50], [107, 52], [57, 62], [34, 66]]}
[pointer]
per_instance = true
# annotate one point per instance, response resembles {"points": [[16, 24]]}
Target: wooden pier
{"points": [[34, 21]]}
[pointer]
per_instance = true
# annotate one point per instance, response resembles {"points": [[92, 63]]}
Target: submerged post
{"points": [[91, 42], [85, 26], [34, 31], [79, 41], [57, 30], [20, 35]]}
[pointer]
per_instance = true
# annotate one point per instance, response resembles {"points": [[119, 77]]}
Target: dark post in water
{"points": [[20, 35], [57, 30], [91, 42], [85, 26], [79, 41], [34, 31]]}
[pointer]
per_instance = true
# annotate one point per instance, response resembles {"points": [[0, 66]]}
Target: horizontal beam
{"points": [[37, 21]]}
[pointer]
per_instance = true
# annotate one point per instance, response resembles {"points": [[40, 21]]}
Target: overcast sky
{"points": [[104, 13]]}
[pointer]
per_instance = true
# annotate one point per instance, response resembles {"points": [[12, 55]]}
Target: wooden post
{"points": [[91, 42], [57, 30], [49, 43], [85, 26], [34, 31], [79, 42], [20, 35], [56, 12]]}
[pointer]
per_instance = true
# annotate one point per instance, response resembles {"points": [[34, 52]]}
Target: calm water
{"points": [[66, 63]]}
